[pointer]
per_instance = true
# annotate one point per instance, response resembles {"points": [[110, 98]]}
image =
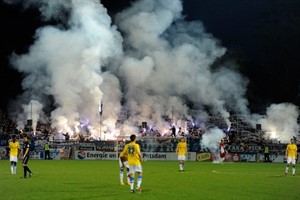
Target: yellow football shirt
{"points": [[123, 156], [14, 148], [181, 148], [291, 150], [132, 150]]}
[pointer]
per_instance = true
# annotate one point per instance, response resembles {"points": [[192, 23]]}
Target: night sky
{"points": [[261, 36]]}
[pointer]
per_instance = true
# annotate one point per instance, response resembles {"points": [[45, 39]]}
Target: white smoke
{"points": [[157, 65], [280, 122], [66, 63], [168, 62], [211, 140], [32, 111]]}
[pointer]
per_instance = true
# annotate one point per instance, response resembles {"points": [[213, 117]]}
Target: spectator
{"points": [[267, 153], [47, 151], [67, 136], [173, 131]]}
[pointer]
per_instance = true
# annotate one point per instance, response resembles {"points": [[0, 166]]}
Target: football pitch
{"points": [[71, 179]]}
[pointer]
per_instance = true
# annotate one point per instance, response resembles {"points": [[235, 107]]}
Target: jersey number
{"points": [[131, 150]]}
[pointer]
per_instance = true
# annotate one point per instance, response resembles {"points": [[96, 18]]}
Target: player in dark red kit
{"points": [[222, 150]]}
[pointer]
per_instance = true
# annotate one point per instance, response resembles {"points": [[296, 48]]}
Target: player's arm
{"points": [[122, 156], [19, 150], [21, 154], [186, 149], [26, 152], [141, 158], [139, 153], [124, 152]]}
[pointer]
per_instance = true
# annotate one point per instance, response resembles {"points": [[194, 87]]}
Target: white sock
{"points": [[128, 179], [293, 169], [131, 183], [139, 181], [121, 175]]}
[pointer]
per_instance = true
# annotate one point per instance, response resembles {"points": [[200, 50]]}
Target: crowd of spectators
{"points": [[239, 133], [43, 131], [7, 126]]}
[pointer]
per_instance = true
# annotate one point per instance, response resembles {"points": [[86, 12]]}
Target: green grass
{"points": [[70, 179]]}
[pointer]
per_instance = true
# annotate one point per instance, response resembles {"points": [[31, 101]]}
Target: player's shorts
{"points": [[222, 155], [291, 160], [181, 157], [13, 158], [133, 169], [125, 163]]}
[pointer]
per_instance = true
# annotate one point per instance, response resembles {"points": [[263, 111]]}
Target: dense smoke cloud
{"points": [[211, 140], [178, 57], [150, 63], [66, 64], [280, 122]]}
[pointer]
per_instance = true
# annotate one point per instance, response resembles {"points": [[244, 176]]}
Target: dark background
{"points": [[262, 36]]}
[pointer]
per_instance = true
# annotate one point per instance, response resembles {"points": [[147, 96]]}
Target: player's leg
{"points": [[181, 164], [14, 167], [131, 177], [293, 169], [286, 169], [294, 166], [24, 170], [25, 167], [287, 165], [139, 181], [121, 175], [126, 166], [265, 157], [139, 178], [222, 157], [127, 172], [131, 180], [11, 167]]}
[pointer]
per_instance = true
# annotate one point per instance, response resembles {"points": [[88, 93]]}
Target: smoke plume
{"points": [[149, 64]]}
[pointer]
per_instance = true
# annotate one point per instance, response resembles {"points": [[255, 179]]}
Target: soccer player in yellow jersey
{"points": [[14, 149], [123, 162], [132, 151], [181, 151], [291, 154]]}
